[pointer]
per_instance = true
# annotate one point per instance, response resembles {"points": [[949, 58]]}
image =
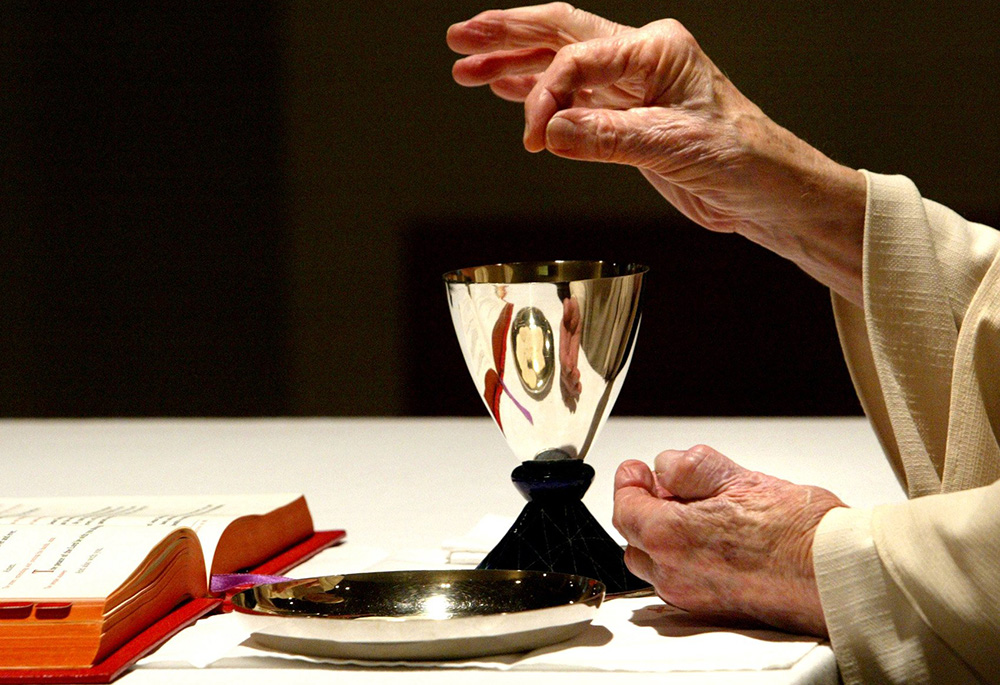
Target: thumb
{"points": [[634, 474], [698, 473], [639, 136]]}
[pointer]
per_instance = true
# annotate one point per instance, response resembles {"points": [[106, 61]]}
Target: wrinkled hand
{"points": [[649, 97], [718, 540]]}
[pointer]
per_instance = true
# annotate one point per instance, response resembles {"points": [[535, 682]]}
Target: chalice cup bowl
{"points": [[548, 345]]}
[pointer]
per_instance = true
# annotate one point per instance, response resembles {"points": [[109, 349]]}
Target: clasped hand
{"points": [[721, 541]]}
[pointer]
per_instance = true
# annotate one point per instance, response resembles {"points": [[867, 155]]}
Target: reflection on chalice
{"points": [[525, 328]]}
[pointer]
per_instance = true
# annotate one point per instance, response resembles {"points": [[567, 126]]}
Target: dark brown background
{"points": [[244, 209]]}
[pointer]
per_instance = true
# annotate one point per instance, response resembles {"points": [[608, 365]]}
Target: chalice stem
{"points": [[556, 532]]}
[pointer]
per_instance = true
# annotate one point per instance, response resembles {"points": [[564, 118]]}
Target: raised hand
{"points": [[649, 97]]}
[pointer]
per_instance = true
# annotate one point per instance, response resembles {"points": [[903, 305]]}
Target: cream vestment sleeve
{"points": [[911, 591]]}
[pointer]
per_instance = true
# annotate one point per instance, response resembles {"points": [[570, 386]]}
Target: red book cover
{"points": [[162, 630]]}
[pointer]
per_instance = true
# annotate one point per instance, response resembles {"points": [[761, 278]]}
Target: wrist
{"points": [[801, 610], [811, 210]]}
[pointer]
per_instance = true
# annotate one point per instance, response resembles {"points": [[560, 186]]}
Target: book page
{"points": [[207, 515], [70, 560]]}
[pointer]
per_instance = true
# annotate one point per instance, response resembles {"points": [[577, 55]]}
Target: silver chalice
{"points": [[548, 345]]}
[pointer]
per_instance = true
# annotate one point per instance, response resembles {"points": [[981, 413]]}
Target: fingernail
{"points": [[530, 144], [560, 134]]}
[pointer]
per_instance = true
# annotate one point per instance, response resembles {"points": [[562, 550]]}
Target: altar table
{"points": [[402, 488]]}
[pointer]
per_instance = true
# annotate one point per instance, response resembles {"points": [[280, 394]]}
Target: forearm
{"points": [[812, 210]]}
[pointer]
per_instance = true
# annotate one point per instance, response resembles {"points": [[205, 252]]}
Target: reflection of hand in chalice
{"points": [[569, 353]]}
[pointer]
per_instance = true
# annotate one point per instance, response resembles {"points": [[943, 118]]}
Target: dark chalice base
{"points": [[555, 531]]}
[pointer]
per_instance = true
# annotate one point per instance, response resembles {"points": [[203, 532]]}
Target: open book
{"points": [[81, 576]]}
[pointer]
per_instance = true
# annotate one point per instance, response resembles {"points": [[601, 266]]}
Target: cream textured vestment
{"points": [[911, 591]]}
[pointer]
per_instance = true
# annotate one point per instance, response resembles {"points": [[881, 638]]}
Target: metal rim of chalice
{"points": [[557, 271]]}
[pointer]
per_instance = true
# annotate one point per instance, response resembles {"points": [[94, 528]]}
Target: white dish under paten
{"points": [[419, 615]]}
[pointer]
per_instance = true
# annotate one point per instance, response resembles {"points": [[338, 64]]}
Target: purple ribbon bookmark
{"points": [[224, 582]]}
